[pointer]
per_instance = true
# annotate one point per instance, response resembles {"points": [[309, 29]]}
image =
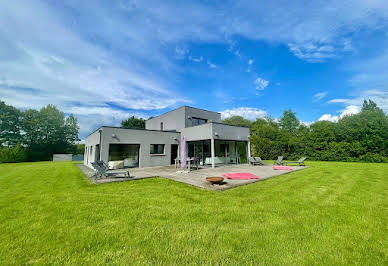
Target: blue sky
{"points": [[106, 60]]}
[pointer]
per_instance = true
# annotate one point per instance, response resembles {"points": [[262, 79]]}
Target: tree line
{"points": [[358, 137], [35, 135]]}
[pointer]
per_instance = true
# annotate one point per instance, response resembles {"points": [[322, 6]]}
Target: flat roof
{"points": [[154, 130], [184, 106]]}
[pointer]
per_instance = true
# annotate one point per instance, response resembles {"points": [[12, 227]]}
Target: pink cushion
{"points": [[240, 176], [281, 167]]}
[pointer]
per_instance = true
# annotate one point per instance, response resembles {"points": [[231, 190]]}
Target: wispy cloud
{"points": [[250, 63], [196, 59], [211, 65], [124, 53], [246, 112], [181, 52], [260, 84], [320, 95], [380, 97]]}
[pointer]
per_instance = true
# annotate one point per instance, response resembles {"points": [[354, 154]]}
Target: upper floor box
{"points": [[181, 118]]}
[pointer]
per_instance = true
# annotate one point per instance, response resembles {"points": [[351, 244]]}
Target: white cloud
{"points": [[246, 112], [181, 52], [211, 65], [328, 117], [73, 69], [194, 59], [261, 84], [91, 117], [380, 97], [88, 63], [318, 96], [250, 61], [349, 110]]}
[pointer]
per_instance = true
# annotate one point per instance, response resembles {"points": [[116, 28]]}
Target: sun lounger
{"points": [[300, 162], [252, 161], [279, 161], [102, 171], [259, 161]]}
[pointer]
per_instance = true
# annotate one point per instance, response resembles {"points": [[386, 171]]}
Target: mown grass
{"points": [[330, 213]]}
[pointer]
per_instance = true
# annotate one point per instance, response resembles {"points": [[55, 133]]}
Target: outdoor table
{"points": [[178, 161]]}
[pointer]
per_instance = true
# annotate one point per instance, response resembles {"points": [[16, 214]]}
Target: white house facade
{"points": [[159, 144]]}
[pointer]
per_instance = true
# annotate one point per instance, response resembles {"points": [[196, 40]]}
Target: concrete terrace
{"points": [[196, 177]]}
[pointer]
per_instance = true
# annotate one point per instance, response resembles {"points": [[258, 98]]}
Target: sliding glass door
{"points": [[201, 150], [225, 151]]}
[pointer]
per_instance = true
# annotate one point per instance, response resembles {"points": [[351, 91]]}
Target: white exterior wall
{"points": [[180, 118], [173, 120], [92, 140], [200, 132], [209, 130], [133, 136], [227, 132]]}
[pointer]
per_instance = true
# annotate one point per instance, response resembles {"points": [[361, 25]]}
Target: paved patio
{"points": [[197, 177]]}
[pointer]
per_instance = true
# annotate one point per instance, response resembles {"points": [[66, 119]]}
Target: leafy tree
{"points": [[359, 137], [288, 121], [48, 131], [133, 122], [10, 125], [370, 106], [237, 120], [80, 148], [35, 135]]}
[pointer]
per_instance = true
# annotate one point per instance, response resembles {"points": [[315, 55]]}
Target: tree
{"points": [[10, 125], [80, 148], [47, 131], [36, 135], [370, 106], [133, 122], [237, 120], [288, 121]]}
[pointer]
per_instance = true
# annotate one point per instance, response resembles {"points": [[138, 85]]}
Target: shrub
{"points": [[13, 155]]}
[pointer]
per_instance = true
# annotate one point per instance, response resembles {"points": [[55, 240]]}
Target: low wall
{"points": [[62, 157]]}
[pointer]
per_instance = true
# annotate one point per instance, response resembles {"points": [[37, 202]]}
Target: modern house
{"points": [[159, 144]]}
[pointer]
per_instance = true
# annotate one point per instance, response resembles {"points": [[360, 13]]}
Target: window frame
{"points": [[198, 120], [152, 150]]}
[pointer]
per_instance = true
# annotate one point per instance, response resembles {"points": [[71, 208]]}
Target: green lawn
{"points": [[330, 213]]}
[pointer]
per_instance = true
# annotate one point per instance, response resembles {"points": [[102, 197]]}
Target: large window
{"points": [[124, 155], [198, 121], [157, 149], [200, 149]]}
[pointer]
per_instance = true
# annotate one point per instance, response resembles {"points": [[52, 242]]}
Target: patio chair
{"points": [[103, 165], [196, 162], [259, 161], [102, 171], [279, 161], [252, 161], [300, 162]]}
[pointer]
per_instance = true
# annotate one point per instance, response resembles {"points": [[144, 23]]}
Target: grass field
{"points": [[330, 213]]}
